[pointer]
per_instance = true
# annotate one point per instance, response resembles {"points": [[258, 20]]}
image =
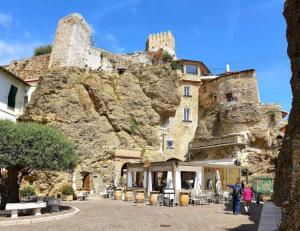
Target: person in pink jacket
{"points": [[247, 197]]}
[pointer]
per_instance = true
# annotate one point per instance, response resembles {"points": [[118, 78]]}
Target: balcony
{"points": [[215, 142]]}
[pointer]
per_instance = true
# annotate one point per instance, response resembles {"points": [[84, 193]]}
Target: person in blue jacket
{"points": [[236, 197]]}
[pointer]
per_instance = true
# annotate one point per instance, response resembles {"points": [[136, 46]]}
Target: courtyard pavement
{"points": [[105, 214]]}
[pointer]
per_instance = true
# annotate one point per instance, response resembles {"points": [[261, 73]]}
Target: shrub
{"points": [[41, 50], [134, 125], [166, 56], [27, 191], [67, 190]]}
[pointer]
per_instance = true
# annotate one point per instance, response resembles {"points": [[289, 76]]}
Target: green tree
{"points": [[25, 147], [41, 50]]}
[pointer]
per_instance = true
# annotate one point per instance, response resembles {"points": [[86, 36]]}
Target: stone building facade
{"points": [[179, 130]]}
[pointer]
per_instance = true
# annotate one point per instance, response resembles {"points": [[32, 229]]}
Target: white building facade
{"points": [[14, 94]]}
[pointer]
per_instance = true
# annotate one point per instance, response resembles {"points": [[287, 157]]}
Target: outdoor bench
{"points": [[34, 206]]}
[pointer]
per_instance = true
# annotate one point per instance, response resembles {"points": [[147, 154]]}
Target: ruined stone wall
{"points": [[287, 181], [72, 47]]}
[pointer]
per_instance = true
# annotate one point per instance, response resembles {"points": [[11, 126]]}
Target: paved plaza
{"points": [[113, 215]]}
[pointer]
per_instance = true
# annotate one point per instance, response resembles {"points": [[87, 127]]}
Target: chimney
{"points": [[227, 68]]}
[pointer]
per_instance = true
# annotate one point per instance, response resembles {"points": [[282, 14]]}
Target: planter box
{"points": [[67, 197]]}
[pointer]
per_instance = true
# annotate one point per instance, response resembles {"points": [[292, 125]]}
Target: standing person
{"points": [[236, 197], [247, 197]]}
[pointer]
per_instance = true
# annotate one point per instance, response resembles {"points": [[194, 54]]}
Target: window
{"points": [[204, 89], [215, 99], [12, 97], [186, 114], [229, 97], [25, 100], [170, 144], [191, 69], [186, 91]]}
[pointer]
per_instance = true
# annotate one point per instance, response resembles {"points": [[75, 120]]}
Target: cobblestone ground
{"points": [[112, 215]]}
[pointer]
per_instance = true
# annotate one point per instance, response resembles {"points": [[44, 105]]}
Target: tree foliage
{"points": [[41, 50], [35, 146], [25, 147]]}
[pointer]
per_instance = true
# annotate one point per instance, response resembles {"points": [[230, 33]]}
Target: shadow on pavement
{"points": [[255, 213]]}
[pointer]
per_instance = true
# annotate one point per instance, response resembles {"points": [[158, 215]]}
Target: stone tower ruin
{"points": [[162, 40], [72, 42]]}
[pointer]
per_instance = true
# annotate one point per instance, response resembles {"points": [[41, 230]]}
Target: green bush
{"points": [[133, 126], [166, 56], [27, 191], [67, 190], [41, 50]]}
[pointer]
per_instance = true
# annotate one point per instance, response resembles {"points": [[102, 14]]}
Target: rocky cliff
{"points": [[287, 180], [102, 111]]}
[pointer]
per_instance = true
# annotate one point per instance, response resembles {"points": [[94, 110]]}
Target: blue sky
{"points": [[245, 34]]}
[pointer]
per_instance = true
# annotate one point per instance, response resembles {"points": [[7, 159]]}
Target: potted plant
{"points": [[67, 192], [27, 193]]}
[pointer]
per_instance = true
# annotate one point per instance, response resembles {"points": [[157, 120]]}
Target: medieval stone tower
{"points": [[72, 44], [162, 40]]}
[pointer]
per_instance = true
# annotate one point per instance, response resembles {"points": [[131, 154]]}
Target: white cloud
{"points": [[5, 20], [114, 43], [15, 50]]}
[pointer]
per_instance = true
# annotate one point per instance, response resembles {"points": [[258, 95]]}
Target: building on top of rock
{"points": [[233, 124], [163, 40]]}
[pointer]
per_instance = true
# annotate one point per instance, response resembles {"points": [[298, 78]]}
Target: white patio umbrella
{"points": [[116, 180], [169, 185], [149, 183], [197, 183], [74, 181], [169, 180], [129, 179], [218, 182]]}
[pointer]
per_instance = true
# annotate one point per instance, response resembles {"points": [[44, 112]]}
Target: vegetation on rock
{"points": [[41, 50], [166, 56], [25, 147]]}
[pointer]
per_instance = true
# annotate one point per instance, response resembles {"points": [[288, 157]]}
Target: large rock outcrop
{"points": [[102, 111], [287, 190]]}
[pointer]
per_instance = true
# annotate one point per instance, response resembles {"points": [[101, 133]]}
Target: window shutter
{"points": [[12, 96]]}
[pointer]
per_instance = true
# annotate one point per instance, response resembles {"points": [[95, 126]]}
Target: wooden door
{"points": [[87, 182]]}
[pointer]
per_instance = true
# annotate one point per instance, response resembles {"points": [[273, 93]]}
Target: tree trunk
{"points": [[10, 193]]}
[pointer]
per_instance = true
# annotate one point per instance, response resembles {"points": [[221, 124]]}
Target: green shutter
{"points": [[12, 97]]}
